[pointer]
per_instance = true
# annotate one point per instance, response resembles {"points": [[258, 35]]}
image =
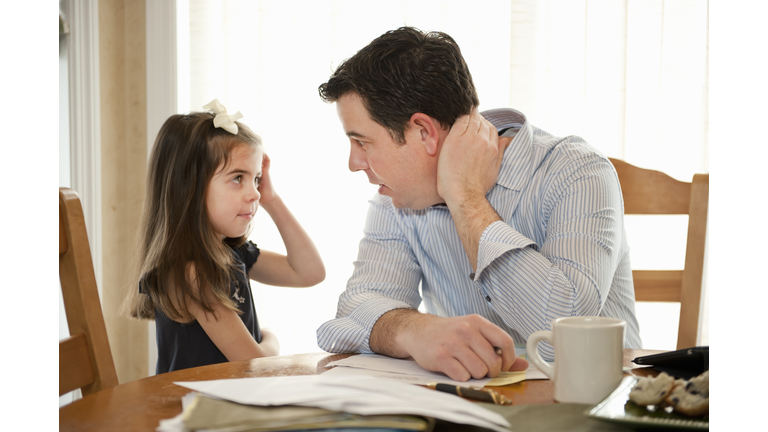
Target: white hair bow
{"points": [[222, 119]]}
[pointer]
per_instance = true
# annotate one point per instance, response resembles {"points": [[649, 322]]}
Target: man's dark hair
{"points": [[403, 72]]}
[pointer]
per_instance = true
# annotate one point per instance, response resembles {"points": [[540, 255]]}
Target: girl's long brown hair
{"points": [[175, 233]]}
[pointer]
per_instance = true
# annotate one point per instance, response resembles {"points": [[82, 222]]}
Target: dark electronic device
{"points": [[684, 363]]}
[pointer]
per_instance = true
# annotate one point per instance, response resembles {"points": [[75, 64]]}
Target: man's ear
{"points": [[428, 131]]}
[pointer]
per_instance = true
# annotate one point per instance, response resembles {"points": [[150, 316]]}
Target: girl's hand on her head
{"points": [[266, 188]]}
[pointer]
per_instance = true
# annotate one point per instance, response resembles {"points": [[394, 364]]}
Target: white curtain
{"points": [[630, 76]]}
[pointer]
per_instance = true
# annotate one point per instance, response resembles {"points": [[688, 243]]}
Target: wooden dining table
{"points": [[140, 405]]}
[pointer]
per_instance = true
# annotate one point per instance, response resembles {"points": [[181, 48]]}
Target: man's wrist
{"points": [[471, 218], [391, 332], [462, 196]]}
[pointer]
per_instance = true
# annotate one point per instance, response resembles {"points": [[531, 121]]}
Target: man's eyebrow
{"points": [[353, 134]]}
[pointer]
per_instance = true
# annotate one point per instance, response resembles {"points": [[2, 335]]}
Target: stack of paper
{"points": [[207, 414], [366, 396], [408, 371]]}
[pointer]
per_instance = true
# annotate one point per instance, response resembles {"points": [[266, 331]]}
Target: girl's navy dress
{"points": [[181, 346]]}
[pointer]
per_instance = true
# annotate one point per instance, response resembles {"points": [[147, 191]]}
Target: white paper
{"points": [[400, 369], [404, 378], [354, 394]]}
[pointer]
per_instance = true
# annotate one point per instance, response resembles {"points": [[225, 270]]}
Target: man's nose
{"points": [[357, 160]]}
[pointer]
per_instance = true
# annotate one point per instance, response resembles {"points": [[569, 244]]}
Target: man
{"points": [[505, 226]]}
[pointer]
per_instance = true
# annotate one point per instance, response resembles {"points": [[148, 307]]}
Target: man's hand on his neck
{"points": [[467, 169]]}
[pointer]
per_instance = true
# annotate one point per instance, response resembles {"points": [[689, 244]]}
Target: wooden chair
{"points": [[85, 359], [652, 192]]}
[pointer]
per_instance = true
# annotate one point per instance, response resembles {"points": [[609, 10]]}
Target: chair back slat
{"points": [[658, 285], [690, 297], [75, 367], [82, 306], [63, 245], [653, 192]]}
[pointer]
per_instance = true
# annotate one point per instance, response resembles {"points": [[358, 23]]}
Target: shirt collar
{"points": [[516, 165]]}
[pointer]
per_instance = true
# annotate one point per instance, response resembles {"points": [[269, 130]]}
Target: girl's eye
{"points": [[237, 179], [258, 180]]}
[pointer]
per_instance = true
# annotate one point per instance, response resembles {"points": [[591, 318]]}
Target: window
{"points": [[630, 77]]}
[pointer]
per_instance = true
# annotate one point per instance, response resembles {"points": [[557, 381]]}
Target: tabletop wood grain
{"points": [[140, 405]]}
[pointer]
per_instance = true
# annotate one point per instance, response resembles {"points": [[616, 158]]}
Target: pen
{"points": [[472, 393]]}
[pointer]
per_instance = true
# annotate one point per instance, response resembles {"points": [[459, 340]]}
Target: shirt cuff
{"points": [[352, 333], [498, 239]]}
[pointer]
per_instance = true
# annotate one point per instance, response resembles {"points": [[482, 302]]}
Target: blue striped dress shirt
{"points": [[559, 250]]}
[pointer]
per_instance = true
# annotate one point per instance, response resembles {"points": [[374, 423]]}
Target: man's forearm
{"points": [[387, 333], [472, 216]]}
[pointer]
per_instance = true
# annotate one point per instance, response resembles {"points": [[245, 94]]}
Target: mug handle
{"points": [[532, 348]]}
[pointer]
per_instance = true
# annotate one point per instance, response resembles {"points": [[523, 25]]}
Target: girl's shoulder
{"points": [[247, 253]]}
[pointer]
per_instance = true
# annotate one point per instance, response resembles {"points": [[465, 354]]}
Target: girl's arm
{"points": [[230, 334], [232, 337], [302, 266]]}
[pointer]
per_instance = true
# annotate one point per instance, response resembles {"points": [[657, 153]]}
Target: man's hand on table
{"points": [[461, 347]]}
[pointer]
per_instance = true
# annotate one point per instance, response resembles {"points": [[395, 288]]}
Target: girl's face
{"points": [[233, 194]]}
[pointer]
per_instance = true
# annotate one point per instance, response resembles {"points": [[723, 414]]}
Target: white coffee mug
{"points": [[588, 357]]}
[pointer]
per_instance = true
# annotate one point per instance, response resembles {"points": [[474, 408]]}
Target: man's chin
{"points": [[397, 203], [410, 206], [421, 204]]}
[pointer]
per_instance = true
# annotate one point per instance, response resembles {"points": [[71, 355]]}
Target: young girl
{"points": [[207, 177]]}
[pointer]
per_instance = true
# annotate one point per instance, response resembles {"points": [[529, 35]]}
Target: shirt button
{"points": [[472, 276], [488, 299]]}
